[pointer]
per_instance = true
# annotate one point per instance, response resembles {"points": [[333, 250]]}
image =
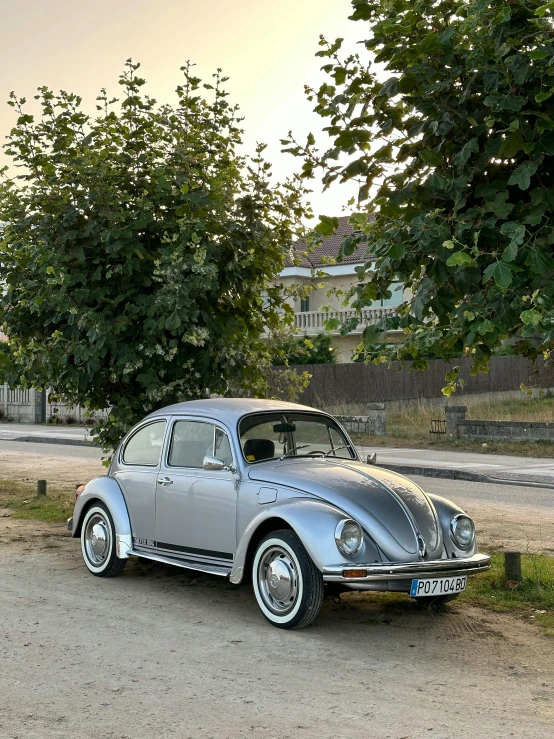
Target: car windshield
{"points": [[274, 435]]}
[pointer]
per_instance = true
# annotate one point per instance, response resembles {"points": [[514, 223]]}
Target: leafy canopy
{"points": [[454, 153], [138, 249], [289, 349]]}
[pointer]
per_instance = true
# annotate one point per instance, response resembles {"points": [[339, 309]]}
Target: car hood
{"points": [[393, 510]]}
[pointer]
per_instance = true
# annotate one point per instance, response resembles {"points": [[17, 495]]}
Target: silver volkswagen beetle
{"points": [[277, 493]]}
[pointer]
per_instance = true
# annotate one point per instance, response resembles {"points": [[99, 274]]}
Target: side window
{"points": [[145, 446], [190, 443]]}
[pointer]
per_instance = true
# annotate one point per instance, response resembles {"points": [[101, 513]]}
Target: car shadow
{"points": [[394, 612]]}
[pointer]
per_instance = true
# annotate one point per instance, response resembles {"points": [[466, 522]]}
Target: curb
{"points": [[51, 440], [454, 474]]}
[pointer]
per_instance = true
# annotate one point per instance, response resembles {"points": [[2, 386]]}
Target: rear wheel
{"points": [[98, 542], [287, 584]]}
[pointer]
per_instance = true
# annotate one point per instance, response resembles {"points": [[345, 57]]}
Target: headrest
{"points": [[257, 449]]}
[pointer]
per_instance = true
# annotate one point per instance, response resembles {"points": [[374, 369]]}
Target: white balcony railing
{"points": [[314, 321]]}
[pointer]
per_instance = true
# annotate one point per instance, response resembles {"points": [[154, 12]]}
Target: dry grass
{"points": [[408, 425]]}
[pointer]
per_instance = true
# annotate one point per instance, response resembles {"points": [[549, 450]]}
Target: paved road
{"points": [[159, 652], [54, 433], [539, 469], [533, 469], [50, 450]]}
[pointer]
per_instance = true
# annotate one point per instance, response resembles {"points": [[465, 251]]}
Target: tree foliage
{"points": [[138, 249], [453, 149], [289, 349]]}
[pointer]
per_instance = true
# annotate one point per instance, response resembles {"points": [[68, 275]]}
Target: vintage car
{"points": [[274, 492]]}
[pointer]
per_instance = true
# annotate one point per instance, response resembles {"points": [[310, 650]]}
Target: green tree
{"points": [[290, 350], [138, 249], [453, 150]]}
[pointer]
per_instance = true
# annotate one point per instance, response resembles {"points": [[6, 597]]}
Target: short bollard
{"points": [[512, 566], [41, 488]]}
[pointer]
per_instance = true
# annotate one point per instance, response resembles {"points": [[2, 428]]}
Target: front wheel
{"points": [[287, 584], [98, 542]]}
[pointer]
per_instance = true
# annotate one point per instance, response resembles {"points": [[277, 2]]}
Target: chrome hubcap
{"points": [[278, 580], [97, 539]]}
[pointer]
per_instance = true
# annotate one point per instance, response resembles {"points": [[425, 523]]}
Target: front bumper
{"points": [[70, 524], [375, 573]]}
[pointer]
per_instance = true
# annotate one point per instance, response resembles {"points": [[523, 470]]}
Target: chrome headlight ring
{"points": [[462, 531], [349, 537]]}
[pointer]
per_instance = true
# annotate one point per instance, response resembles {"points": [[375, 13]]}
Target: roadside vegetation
{"points": [[21, 499], [532, 598], [408, 425]]}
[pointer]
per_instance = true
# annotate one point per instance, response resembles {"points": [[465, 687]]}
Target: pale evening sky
{"points": [[267, 48]]}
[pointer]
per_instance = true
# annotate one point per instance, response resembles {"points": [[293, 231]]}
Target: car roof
{"points": [[229, 409]]}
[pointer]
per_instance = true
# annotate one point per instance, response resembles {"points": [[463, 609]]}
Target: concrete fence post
{"points": [[512, 566], [454, 414], [377, 417]]}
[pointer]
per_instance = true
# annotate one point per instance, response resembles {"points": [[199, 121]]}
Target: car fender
{"points": [[446, 510], [106, 489], [314, 522]]}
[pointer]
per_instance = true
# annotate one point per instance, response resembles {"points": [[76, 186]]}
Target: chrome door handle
{"points": [[165, 481]]}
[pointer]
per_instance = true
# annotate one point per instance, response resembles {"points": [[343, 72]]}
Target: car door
{"points": [[196, 508], [137, 472]]}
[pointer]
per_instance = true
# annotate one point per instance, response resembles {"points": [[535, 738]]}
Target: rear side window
{"points": [[145, 446]]}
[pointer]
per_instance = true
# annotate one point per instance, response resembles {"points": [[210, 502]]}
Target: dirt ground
{"points": [[59, 471], [160, 652]]}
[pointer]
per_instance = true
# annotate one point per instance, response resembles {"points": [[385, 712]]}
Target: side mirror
{"points": [[213, 463], [372, 458]]}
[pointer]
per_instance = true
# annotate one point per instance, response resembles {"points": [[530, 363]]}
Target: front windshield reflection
{"points": [[273, 435]]}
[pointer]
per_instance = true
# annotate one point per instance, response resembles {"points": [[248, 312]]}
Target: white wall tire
{"points": [[98, 542], [287, 585]]}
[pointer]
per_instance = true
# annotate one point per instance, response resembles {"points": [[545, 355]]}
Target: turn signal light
{"points": [[78, 490], [354, 573]]}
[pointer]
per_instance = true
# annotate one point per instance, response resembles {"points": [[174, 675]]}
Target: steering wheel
{"points": [[315, 451]]}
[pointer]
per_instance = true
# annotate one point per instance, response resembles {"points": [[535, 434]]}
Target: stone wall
{"points": [[458, 426], [375, 422]]}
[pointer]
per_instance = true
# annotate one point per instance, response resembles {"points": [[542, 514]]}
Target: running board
{"points": [[220, 570]]}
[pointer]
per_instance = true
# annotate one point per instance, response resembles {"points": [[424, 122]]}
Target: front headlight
{"points": [[349, 537], [463, 531]]}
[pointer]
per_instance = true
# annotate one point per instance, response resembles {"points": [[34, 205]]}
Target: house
{"points": [[310, 318]]}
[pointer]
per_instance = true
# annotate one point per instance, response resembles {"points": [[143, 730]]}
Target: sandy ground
{"points": [[62, 466], [159, 652]]}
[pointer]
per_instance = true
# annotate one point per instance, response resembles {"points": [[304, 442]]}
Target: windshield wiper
{"points": [[294, 449], [337, 449]]}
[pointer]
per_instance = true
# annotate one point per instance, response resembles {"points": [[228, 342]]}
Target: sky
{"points": [[267, 48]]}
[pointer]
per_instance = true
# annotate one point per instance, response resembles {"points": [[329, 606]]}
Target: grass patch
{"points": [[533, 598], [399, 439], [21, 499]]}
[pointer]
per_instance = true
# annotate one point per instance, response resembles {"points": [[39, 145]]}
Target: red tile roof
{"points": [[328, 249]]}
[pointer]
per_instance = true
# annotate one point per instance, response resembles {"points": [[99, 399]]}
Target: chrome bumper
{"points": [[409, 570], [70, 524]]}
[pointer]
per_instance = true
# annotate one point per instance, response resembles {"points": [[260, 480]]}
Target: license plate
{"points": [[438, 586]]}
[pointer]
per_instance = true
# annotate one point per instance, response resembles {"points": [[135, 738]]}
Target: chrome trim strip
{"points": [[406, 570], [209, 569]]}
